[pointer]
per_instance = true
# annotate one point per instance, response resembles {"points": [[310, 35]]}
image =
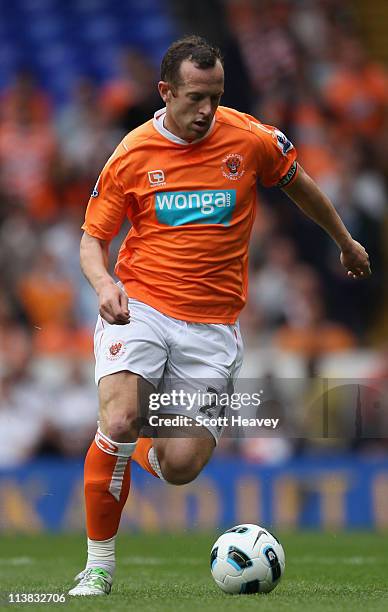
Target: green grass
{"points": [[345, 572]]}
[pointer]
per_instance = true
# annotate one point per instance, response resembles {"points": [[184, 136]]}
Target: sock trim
{"points": [[154, 462], [116, 483], [119, 449]]}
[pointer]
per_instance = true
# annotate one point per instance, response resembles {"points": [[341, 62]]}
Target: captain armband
{"points": [[287, 178]]}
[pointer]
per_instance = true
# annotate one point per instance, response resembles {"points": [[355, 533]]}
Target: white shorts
{"points": [[171, 354]]}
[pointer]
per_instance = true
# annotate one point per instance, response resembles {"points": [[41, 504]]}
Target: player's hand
{"points": [[113, 304], [355, 260]]}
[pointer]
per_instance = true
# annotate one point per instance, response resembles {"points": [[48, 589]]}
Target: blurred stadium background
{"points": [[75, 76]]}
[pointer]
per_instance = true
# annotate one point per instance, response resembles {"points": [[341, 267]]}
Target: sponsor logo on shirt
{"points": [[183, 207], [156, 177], [232, 166]]}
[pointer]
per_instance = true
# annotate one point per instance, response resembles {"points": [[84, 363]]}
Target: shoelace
{"points": [[87, 576]]}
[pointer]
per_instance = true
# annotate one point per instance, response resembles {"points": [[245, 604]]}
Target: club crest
{"points": [[232, 166], [115, 350]]}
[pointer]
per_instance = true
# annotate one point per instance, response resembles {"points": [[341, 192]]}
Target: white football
{"points": [[247, 559]]}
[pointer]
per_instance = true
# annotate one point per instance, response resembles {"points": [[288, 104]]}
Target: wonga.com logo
{"points": [[183, 207]]}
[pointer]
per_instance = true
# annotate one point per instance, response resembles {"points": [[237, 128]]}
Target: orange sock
{"points": [[107, 481], [141, 455]]}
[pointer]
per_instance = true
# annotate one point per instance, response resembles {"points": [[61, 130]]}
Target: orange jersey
{"points": [[191, 206]]}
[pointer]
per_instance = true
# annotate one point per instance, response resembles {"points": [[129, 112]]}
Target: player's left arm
{"points": [[316, 205]]}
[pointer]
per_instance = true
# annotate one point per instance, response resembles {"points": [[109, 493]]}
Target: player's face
{"points": [[192, 104]]}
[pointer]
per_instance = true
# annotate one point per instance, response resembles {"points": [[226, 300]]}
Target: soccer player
{"points": [[186, 180]]}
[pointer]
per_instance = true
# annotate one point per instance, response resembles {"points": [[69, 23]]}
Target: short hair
{"points": [[193, 48]]}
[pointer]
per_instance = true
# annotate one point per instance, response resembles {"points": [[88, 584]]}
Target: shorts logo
{"points": [[195, 207], [232, 166], [115, 350], [156, 177]]}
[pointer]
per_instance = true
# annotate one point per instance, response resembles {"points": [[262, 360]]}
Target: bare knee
{"points": [[181, 468], [180, 471], [118, 426], [118, 394]]}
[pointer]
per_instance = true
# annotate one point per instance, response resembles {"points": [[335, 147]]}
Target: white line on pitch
{"points": [[17, 561]]}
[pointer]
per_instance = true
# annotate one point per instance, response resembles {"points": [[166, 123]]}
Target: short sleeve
{"points": [[108, 204], [275, 154]]}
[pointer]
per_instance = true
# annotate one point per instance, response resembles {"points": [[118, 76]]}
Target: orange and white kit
{"points": [[191, 207]]}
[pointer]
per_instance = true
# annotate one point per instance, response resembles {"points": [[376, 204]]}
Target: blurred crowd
{"points": [[298, 65]]}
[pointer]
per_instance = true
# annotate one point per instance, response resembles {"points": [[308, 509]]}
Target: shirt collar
{"points": [[158, 122]]}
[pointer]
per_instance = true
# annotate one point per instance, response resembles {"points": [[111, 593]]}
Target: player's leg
{"points": [[205, 358], [107, 465], [176, 460], [145, 456], [120, 352], [182, 458], [107, 475]]}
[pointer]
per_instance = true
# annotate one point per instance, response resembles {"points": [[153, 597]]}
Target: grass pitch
{"points": [[333, 572]]}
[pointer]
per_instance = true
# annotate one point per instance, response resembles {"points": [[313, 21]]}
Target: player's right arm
{"points": [[112, 301], [108, 206]]}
